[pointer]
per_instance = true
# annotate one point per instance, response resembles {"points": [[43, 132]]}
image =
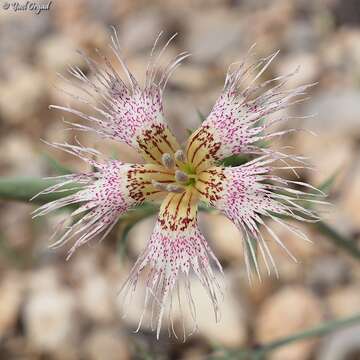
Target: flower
{"points": [[181, 177]]}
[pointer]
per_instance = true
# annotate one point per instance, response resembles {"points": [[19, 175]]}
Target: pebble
{"points": [[21, 157], [106, 343], [50, 319], [139, 235], [96, 299], [327, 273], [223, 236], [342, 344], [213, 33], [22, 95], [290, 310], [231, 330], [349, 201], [139, 30], [332, 105], [10, 302], [344, 301], [57, 52], [308, 68]]}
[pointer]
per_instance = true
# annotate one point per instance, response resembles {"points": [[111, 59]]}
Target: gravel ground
{"points": [[53, 309]]}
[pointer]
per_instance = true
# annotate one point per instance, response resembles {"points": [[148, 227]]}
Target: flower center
{"points": [[184, 173]]}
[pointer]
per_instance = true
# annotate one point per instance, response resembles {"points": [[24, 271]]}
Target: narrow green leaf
{"points": [[338, 239], [328, 183], [24, 188], [202, 117], [234, 160], [260, 351], [56, 166]]}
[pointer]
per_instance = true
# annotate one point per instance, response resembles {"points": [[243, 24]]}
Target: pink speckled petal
{"points": [[233, 126], [125, 111], [246, 194], [175, 250], [102, 194]]}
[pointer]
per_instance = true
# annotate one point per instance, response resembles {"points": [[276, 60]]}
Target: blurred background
{"points": [[52, 309]]}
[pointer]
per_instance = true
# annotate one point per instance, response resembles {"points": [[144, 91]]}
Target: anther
{"points": [[175, 188], [181, 177], [167, 160], [180, 156], [159, 186]]}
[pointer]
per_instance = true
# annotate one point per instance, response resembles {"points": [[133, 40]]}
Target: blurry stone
{"points": [[22, 95], [308, 68], [327, 272], [345, 14], [223, 236], [46, 278], [181, 112], [19, 31], [17, 225], [259, 291], [57, 52], [349, 201], [301, 36], [213, 33], [290, 310], [194, 353], [67, 14], [301, 249], [10, 301], [231, 330], [96, 299], [139, 235], [106, 343], [50, 320], [21, 157], [132, 310], [338, 112], [90, 35], [340, 345], [328, 153], [272, 24], [190, 77], [344, 301], [139, 30], [102, 12]]}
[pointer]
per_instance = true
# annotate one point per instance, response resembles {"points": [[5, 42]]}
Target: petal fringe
{"points": [[101, 195], [236, 123], [247, 193], [124, 110], [176, 250]]}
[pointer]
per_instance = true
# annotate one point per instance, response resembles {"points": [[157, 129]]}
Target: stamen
{"points": [[159, 186], [181, 176], [180, 156], [167, 160], [175, 188]]}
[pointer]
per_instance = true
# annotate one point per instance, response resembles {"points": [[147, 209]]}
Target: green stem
{"points": [[24, 188], [321, 330], [338, 239]]}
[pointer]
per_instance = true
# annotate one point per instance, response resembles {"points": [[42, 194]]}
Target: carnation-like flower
{"points": [[181, 177]]}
